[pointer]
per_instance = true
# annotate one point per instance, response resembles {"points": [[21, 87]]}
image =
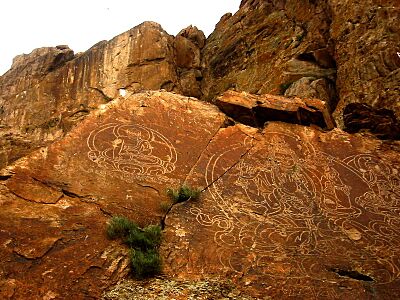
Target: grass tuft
{"points": [[120, 227], [184, 193], [145, 263], [143, 243]]}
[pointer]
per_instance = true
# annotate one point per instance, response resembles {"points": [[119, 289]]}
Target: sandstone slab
{"points": [[55, 202], [255, 110], [292, 213]]}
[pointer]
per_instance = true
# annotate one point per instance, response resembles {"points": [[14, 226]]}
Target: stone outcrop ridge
{"points": [[63, 87], [257, 110], [48, 91], [286, 206], [337, 51]]}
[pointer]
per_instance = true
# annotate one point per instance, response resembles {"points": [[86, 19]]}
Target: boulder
{"points": [[310, 87], [256, 110]]}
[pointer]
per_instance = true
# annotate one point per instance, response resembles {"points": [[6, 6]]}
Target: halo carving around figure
{"points": [[131, 152]]}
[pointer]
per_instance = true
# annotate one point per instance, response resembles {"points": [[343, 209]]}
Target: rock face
{"points": [[338, 51], [291, 213], [48, 91], [119, 161], [366, 41], [286, 206], [291, 207], [269, 45]]}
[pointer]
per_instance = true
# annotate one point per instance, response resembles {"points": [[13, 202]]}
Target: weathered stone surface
{"points": [[267, 45], [291, 213], [362, 117], [287, 211], [289, 206], [188, 44], [366, 37], [49, 102], [257, 110], [14, 145], [118, 161], [310, 87]]}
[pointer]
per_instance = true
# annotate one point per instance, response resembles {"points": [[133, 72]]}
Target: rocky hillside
{"points": [[287, 119]]}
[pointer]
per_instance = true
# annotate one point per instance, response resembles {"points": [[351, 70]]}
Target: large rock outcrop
{"points": [[287, 206], [47, 92], [338, 51], [291, 207], [268, 46], [366, 37]]}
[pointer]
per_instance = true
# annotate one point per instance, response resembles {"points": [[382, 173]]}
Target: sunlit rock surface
{"points": [[289, 205]]}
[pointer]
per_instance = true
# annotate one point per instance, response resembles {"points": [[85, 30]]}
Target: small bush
{"points": [[144, 239], [183, 194], [120, 227], [143, 243], [165, 206], [145, 263]]}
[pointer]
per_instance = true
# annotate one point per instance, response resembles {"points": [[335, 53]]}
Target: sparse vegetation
{"points": [[183, 193], [300, 37], [145, 263], [165, 206], [284, 87], [143, 243]]}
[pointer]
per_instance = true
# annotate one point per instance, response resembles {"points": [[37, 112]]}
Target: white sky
{"points": [[29, 24]]}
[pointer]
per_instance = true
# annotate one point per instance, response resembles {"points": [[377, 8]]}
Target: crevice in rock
{"points": [[149, 187], [71, 194], [230, 168], [5, 177], [33, 201], [105, 97], [201, 153], [351, 274]]}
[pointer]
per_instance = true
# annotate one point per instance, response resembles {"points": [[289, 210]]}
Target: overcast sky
{"points": [[29, 24]]}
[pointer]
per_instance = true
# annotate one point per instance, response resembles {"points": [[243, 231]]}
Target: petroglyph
{"points": [[287, 205], [131, 152]]}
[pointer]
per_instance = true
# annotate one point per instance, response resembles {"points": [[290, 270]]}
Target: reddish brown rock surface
{"points": [[268, 45], [257, 110], [366, 38], [292, 213], [289, 206], [47, 92], [286, 212], [338, 51], [119, 161]]}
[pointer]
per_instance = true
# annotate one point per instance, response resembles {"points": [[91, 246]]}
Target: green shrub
{"points": [[143, 243], [145, 263], [165, 206], [120, 227], [183, 194], [144, 239]]}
